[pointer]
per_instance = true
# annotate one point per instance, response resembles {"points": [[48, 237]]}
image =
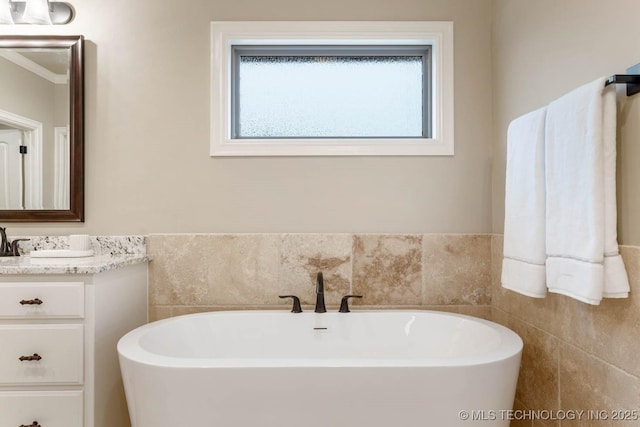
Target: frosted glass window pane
{"points": [[330, 97]]}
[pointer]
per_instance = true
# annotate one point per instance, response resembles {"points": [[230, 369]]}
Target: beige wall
{"points": [[147, 127], [543, 49], [143, 177]]}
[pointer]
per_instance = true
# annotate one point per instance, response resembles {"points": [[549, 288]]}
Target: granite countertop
{"points": [[88, 265], [111, 252]]}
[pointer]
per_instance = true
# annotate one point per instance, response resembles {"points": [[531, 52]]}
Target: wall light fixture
{"points": [[40, 12]]}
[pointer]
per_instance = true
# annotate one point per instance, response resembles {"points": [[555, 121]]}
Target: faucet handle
{"points": [[296, 303], [4, 247], [344, 304], [15, 249]]}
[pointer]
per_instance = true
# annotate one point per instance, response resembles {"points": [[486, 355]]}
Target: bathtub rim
{"points": [[128, 348]]}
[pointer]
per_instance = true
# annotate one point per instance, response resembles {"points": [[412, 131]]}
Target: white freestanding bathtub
{"points": [[358, 369]]}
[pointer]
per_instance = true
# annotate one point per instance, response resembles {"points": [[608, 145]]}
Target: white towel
{"points": [[580, 149], [523, 266]]}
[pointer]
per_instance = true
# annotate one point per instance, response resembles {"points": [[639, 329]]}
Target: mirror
{"points": [[41, 128]]}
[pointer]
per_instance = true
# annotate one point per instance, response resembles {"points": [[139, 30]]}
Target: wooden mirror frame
{"points": [[75, 213]]}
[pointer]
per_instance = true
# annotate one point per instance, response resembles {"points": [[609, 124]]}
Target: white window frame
{"points": [[437, 34]]}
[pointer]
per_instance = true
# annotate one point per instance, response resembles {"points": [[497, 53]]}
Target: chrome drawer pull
{"points": [[35, 424], [36, 301], [35, 357]]}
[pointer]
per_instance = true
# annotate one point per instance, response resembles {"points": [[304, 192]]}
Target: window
{"points": [[332, 88], [330, 92]]}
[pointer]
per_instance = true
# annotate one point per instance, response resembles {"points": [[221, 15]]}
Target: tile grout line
{"points": [[559, 379], [353, 238]]}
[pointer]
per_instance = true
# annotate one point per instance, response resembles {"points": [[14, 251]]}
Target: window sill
{"points": [[331, 147]]}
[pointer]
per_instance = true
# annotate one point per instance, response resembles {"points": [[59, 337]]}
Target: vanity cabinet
{"points": [[58, 335]]}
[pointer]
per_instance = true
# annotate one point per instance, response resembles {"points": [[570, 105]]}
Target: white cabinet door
{"points": [[47, 409], [41, 354], [41, 300]]}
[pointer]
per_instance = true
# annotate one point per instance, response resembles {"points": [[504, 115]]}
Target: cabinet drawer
{"points": [[59, 346], [41, 300], [48, 409]]}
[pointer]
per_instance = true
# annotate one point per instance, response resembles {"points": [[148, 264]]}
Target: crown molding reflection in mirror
{"points": [[71, 47]]}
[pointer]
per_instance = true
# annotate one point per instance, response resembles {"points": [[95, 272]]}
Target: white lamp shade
{"points": [[5, 13], [37, 12]]}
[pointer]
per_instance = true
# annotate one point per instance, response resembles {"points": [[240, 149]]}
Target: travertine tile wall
{"points": [[202, 272], [576, 356]]}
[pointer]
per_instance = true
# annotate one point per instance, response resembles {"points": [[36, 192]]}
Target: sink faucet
{"points": [[320, 308], [4, 245], [8, 248]]}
